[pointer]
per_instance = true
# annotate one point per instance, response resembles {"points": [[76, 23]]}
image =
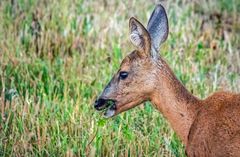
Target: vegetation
{"points": [[56, 56]]}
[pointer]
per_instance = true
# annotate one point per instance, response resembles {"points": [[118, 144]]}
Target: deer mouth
{"points": [[110, 111], [106, 105]]}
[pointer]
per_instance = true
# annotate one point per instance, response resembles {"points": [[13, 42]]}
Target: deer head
{"points": [[135, 81]]}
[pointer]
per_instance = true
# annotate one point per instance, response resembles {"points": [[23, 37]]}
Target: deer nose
{"points": [[99, 104]]}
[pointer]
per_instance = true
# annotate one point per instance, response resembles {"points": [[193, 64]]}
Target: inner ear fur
{"points": [[139, 36]]}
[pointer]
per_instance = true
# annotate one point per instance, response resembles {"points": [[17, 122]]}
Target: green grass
{"points": [[56, 56]]}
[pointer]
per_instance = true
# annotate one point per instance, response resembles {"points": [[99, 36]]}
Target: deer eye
{"points": [[123, 75]]}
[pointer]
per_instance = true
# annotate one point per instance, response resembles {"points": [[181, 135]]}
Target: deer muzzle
{"points": [[108, 105]]}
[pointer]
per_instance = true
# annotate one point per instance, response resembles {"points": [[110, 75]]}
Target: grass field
{"points": [[56, 56]]}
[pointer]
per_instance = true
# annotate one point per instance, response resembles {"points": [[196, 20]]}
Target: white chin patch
{"points": [[109, 113]]}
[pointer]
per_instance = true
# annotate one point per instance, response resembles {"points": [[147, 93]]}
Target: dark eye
{"points": [[123, 75]]}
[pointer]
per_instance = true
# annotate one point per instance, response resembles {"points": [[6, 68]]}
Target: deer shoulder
{"points": [[216, 128]]}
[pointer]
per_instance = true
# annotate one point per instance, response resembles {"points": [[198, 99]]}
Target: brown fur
{"points": [[216, 128], [208, 128]]}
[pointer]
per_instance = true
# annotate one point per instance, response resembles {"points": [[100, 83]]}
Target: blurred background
{"points": [[56, 56]]}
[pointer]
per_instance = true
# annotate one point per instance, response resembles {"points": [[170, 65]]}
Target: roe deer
{"points": [[209, 127]]}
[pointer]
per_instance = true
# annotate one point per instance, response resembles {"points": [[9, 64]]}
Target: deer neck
{"points": [[174, 101]]}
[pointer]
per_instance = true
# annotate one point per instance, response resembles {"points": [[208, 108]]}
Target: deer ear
{"points": [[158, 27], [139, 36]]}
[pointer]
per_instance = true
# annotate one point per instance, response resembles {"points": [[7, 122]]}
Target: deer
{"points": [[207, 127]]}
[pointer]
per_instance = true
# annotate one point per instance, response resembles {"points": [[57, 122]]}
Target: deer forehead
{"points": [[135, 58]]}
